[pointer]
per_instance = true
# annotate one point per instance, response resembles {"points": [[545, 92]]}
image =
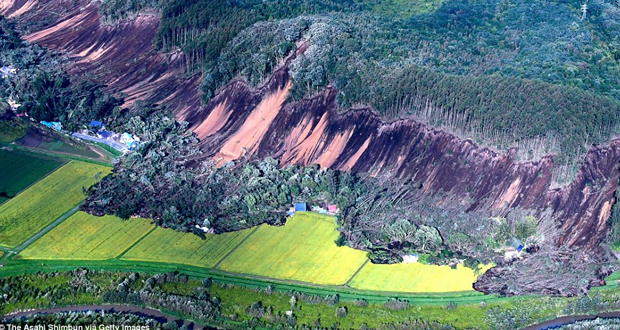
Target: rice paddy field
{"points": [[45, 201], [18, 170], [167, 245], [86, 237], [302, 250], [413, 278]]}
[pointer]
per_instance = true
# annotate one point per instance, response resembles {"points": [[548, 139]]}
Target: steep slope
{"points": [[310, 131], [120, 56]]}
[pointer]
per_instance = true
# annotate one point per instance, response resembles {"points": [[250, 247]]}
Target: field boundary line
{"points": [[235, 248], [58, 154], [63, 162], [356, 272], [21, 247], [136, 242]]}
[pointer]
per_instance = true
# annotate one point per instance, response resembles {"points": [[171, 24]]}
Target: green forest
{"points": [[504, 71]]}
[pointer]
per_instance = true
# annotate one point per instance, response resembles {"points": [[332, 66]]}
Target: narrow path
{"points": [[136, 243], [235, 248], [356, 272], [42, 232]]}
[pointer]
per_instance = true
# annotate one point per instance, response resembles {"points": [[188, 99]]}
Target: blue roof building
{"points": [[95, 124], [300, 207]]}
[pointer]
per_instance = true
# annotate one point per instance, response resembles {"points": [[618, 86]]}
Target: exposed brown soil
{"points": [[121, 56]]}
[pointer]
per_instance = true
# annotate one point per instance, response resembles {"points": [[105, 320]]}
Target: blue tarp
{"points": [[519, 248], [95, 124], [55, 125], [300, 207]]}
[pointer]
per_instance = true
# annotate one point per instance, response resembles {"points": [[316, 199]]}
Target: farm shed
{"points": [[300, 207]]}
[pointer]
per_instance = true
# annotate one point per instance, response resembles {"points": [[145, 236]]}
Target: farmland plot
{"points": [[19, 169], [414, 278], [167, 245], [45, 201], [87, 237], [302, 250]]}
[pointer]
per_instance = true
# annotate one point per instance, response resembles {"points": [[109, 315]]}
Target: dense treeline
{"points": [[473, 51], [44, 89]]}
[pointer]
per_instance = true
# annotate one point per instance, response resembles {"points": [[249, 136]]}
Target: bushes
{"points": [[397, 304]]}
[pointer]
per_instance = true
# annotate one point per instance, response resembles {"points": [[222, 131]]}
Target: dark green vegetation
{"points": [[85, 319], [158, 181], [504, 72], [11, 128], [212, 302], [44, 89], [20, 170]]}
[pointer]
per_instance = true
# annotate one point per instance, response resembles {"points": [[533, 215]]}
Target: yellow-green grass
{"points": [[87, 237], [170, 246], [302, 250], [19, 169], [45, 201], [414, 277]]}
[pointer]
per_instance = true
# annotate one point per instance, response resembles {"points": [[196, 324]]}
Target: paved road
{"points": [[116, 145], [43, 231]]}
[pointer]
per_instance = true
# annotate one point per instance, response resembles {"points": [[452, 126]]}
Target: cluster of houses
{"points": [[330, 209], [120, 141], [96, 132]]}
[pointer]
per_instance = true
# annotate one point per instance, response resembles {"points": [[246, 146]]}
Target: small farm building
{"points": [[300, 207]]}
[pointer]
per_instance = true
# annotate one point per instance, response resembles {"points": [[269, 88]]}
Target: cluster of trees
{"points": [[85, 319], [43, 87], [391, 219], [166, 180], [86, 287], [513, 71]]}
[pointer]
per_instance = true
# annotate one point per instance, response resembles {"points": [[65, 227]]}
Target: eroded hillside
{"points": [[245, 121]]}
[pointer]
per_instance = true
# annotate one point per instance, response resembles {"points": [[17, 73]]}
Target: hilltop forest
{"points": [[501, 71]]}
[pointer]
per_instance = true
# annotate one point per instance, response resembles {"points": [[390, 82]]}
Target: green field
{"points": [[18, 170], [45, 201], [84, 236], [414, 277], [302, 250], [167, 245]]}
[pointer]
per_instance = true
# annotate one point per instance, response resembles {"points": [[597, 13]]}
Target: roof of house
{"points": [[95, 123], [300, 206], [332, 208]]}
